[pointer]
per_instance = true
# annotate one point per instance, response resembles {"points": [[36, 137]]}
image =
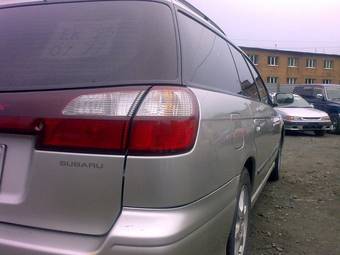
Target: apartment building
{"points": [[278, 67]]}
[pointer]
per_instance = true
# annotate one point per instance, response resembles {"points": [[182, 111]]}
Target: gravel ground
{"points": [[300, 214]]}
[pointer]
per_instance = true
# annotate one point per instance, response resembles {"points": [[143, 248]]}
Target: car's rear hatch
{"points": [[64, 112]]}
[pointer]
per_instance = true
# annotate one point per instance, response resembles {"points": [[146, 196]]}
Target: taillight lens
{"points": [[111, 120], [17, 124], [85, 134], [166, 122], [98, 121], [88, 120]]}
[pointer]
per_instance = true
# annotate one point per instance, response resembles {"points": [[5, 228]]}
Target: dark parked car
{"points": [[325, 97]]}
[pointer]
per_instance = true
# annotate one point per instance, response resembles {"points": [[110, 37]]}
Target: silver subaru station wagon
{"points": [[128, 128]]}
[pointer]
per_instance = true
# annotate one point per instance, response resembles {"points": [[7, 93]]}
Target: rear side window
{"points": [[305, 91], [318, 91], [260, 85], [206, 59], [86, 44], [248, 85]]}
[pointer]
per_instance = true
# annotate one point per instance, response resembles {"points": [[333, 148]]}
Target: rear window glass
{"points": [[86, 44], [207, 61], [304, 91], [260, 85], [248, 86]]}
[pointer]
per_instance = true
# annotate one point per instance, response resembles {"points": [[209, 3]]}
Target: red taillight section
{"points": [[162, 136], [113, 120], [87, 120], [92, 122], [85, 134], [166, 122], [18, 124]]}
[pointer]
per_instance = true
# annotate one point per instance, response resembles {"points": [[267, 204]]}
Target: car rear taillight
{"points": [[165, 123], [156, 121], [17, 124], [98, 121], [91, 120]]}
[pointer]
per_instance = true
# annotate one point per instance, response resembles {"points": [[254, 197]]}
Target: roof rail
{"points": [[201, 14]]}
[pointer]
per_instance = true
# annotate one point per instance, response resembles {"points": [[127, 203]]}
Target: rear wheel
{"points": [[237, 241], [337, 129], [320, 132], [336, 124]]}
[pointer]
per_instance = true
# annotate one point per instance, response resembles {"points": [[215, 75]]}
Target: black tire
{"points": [[337, 130], [336, 125], [246, 186], [320, 132], [275, 174]]}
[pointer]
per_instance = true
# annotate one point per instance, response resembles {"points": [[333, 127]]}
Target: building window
{"points": [[309, 81], [328, 64], [311, 63], [291, 62], [272, 80], [273, 61], [254, 58], [291, 80], [326, 81]]}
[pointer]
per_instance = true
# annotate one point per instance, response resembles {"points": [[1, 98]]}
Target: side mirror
{"points": [[284, 98], [320, 96], [312, 105]]}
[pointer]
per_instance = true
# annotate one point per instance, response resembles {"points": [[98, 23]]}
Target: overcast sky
{"points": [[301, 25]]}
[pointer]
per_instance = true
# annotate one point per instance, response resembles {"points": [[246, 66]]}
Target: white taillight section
{"points": [[96, 121], [109, 104], [167, 102]]}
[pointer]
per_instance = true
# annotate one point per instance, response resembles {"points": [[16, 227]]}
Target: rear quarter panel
{"points": [[224, 142]]}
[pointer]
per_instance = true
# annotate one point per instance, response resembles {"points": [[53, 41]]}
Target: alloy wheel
{"points": [[241, 226]]}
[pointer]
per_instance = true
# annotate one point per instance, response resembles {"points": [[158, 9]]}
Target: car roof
{"points": [[14, 3], [181, 3], [315, 85]]}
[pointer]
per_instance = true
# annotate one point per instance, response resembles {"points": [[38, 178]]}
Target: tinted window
{"points": [[206, 58], [317, 91], [248, 85], [84, 44], [260, 85], [298, 90], [304, 91]]}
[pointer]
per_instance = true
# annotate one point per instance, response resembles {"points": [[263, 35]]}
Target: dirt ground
{"points": [[300, 214]]}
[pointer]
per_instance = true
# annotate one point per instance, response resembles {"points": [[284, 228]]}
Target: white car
{"points": [[301, 116]]}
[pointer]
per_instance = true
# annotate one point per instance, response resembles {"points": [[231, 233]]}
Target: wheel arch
{"points": [[250, 165]]}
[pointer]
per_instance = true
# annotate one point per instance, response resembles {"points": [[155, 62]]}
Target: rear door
{"points": [[64, 109], [310, 94], [319, 103], [262, 117], [275, 122]]}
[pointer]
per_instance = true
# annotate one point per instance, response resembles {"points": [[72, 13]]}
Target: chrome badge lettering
{"points": [[78, 164]]}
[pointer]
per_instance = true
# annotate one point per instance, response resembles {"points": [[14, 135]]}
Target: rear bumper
{"points": [[198, 228], [308, 126]]}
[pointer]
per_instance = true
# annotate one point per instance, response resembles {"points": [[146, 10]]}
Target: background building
{"points": [[281, 67]]}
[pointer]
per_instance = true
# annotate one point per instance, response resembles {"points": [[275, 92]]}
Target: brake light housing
{"points": [[165, 123], [137, 120]]}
